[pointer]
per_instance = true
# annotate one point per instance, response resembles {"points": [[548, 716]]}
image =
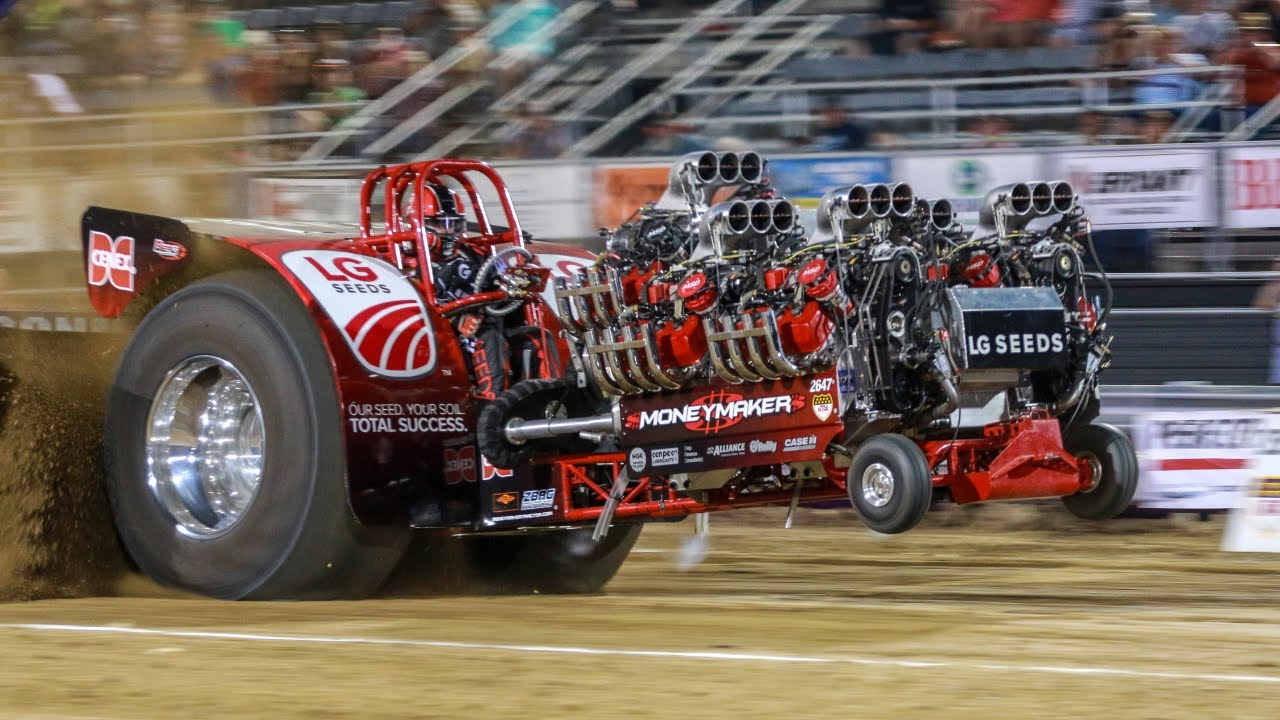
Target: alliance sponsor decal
{"points": [[727, 449], [716, 411], [381, 316], [111, 261]]}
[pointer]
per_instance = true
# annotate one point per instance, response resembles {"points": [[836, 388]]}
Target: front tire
{"points": [[1114, 468], [889, 484], [224, 450]]}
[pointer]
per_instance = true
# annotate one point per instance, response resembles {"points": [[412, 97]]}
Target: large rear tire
{"points": [[890, 485], [224, 451], [1115, 471]]}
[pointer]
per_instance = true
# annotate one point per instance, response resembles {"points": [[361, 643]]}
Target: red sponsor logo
{"points": [[111, 261], [391, 336], [505, 502], [169, 250], [691, 285], [488, 471], [459, 465], [812, 271]]}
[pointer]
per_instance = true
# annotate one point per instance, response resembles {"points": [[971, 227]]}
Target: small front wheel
{"points": [[1113, 466], [890, 485]]}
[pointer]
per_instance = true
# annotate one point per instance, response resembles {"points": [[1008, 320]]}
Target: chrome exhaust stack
{"points": [[695, 178]]}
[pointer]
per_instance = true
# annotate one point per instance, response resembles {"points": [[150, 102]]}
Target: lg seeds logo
{"points": [[716, 411], [381, 316], [111, 261]]}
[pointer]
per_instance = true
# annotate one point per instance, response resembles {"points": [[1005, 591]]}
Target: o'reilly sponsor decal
{"points": [[761, 447], [659, 457], [804, 442]]}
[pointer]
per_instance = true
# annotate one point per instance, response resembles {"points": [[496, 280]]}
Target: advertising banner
{"points": [[305, 199], [1196, 460], [620, 190], [1143, 188], [1251, 192], [552, 201], [965, 179], [804, 181], [1255, 525]]}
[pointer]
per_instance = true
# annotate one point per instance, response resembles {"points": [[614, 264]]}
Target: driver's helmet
{"points": [[448, 218]]}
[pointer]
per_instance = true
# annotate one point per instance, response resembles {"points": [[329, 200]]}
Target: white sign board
{"points": [[1142, 188], [305, 199], [965, 179], [553, 202], [1196, 460], [1251, 187], [1255, 525]]}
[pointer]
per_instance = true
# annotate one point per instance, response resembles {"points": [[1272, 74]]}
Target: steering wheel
{"points": [[497, 266]]}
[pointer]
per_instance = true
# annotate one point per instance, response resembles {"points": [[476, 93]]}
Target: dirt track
{"points": [[993, 613]]}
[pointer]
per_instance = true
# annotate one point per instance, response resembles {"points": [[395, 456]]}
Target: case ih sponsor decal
{"points": [[381, 317], [111, 261]]}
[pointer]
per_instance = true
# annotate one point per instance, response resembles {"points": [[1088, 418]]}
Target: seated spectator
{"points": [[1205, 31], [1020, 23], [525, 41], [1173, 88], [666, 136], [334, 85], [904, 25], [1258, 55], [992, 132], [837, 130], [1122, 40], [1155, 126], [1091, 126], [539, 136]]}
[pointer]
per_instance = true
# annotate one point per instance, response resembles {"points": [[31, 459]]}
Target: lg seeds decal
{"points": [[381, 316]]}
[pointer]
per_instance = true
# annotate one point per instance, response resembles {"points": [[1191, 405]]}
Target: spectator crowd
{"points": [[63, 57]]}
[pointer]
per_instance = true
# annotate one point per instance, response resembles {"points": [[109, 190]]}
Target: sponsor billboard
{"points": [[1196, 460], [1254, 526], [965, 179], [805, 180], [553, 202], [620, 190], [1251, 187], [1143, 188]]}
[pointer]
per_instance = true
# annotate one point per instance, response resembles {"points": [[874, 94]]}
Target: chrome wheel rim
{"points": [[206, 444], [877, 485], [1095, 467]]}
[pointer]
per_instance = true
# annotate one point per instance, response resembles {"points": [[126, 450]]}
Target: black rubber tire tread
{"points": [[913, 483], [298, 539], [563, 562], [1119, 461], [525, 400]]}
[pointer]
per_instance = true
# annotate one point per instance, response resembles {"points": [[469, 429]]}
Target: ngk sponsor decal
{"points": [[405, 418], [111, 261], [716, 411], [1143, 189], [381, 316]]}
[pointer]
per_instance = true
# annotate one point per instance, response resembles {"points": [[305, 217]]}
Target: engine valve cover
{"points": [[1018, 327]]}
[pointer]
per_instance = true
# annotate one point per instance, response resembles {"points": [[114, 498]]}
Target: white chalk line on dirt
{"points": [[667, 654]]}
